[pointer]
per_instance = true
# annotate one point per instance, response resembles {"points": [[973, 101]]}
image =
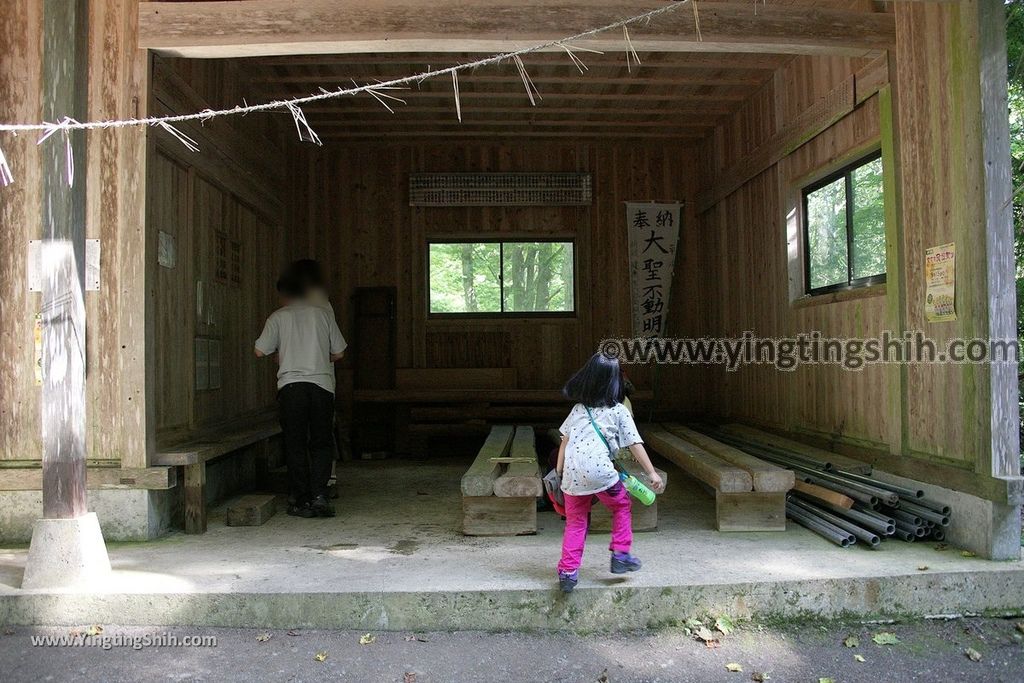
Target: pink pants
{"points": [[577, 521]]}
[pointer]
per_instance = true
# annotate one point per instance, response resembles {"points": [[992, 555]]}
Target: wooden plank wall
{"points": [[938, 414], [230, 189], [354, 205], [118, 410], [20, 221], [745, 262]]}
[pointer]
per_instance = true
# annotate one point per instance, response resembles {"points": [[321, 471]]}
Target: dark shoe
{"points": [[321, 508], [624, 562], [300, 510], [568, 580]]}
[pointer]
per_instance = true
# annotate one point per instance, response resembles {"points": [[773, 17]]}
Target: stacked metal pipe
{"points": [[881, 509]]}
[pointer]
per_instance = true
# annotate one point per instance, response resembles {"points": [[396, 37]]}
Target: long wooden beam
{"points": [[571, 79], [247, 28], [594, 61]]}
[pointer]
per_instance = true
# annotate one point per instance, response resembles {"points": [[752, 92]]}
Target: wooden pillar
{"points": [[64, 80], [997, 188]]}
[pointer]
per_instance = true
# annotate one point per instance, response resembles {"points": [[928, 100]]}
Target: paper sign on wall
{"points": [[940, 280], [653, 231]]}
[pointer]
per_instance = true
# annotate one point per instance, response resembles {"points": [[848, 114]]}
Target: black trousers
{"points": [[307, 426]]}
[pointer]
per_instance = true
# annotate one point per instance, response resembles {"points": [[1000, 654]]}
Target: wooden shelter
{"points": [[736, 114]]}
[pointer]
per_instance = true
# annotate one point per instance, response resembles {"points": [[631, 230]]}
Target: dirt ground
{"points": [[932, 651]]}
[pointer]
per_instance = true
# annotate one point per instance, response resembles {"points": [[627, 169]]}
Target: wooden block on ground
{"points": [[645, 517], [478, 481], [494, 516], [751, 511], [697, 462], [766, 476], [251, 510], [521, 479]]}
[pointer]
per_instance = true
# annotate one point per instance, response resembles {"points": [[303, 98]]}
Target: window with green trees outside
{"points": [[502, 278]]}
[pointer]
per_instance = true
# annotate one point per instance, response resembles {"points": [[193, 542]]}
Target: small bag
{"points": [[553, 487]]}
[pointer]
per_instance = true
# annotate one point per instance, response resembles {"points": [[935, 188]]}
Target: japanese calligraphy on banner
{"points": [[940, 282], [653, 231]]}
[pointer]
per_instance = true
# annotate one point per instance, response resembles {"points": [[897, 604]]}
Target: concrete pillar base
{"points": [[66, 553]]}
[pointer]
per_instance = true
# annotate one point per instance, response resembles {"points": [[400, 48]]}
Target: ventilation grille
{"points": [[499, 189]]}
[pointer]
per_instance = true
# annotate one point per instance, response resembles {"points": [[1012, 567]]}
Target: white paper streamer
{"points": [[189, 143], [531, 89], [6, 177], [458, 104], [629, 49], [306, 132], [66, 125]]}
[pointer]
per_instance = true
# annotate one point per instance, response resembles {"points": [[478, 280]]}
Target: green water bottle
{"points": [[636, 488]]}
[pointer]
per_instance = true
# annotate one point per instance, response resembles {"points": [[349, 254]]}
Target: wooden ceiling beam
{"points": [[615, 59], [247, 28], [736, 96], [418, 61], [453, 122], [493, 135], [575, 78], [375, 109]]}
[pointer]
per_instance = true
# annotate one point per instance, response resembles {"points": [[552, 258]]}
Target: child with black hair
{"points": [[596, 428]]}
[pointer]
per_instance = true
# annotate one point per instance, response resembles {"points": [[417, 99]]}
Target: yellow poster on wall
{"points": [[940, 279]]}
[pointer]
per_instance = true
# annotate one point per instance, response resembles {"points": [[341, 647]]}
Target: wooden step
{"points": [[251, 510]]}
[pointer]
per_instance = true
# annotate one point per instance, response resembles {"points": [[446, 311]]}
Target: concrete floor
{"points": [[394, 558]]}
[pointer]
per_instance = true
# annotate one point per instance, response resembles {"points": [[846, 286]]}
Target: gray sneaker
{"points": [[624, 562], [568, 580]]}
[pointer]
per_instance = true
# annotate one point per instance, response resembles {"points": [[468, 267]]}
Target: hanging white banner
{"points": [[653, 231]]}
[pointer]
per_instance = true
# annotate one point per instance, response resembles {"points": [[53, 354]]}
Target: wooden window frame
{"points": [[846, 173], [501, 242]]}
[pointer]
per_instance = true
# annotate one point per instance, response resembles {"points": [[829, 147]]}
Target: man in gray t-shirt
{"points": [[306, 338]]}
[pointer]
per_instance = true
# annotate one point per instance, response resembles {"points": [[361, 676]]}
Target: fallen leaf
{"points": [[409, 677], [923, 568], [885, 638], [967, 553], [263, 637], [320, 656], [603, 678], [415, 639], [367, 639], [705, 634], [1019, 626], [858, 658], [94, 630], [725, 625], [8, 631], [942, 546], [759, 677], [293, 632], [734, 667], [973, 654], [825, 680], [852, 641]]}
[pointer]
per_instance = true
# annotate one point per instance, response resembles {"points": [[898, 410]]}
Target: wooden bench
{"points": [[645, 517], [500, 488], [194, 454], [750, 494]]}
